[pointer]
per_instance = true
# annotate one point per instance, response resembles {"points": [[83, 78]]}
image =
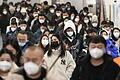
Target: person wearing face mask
{"points": [[39, 33], [73, 42], [24, 27], [4, 20], [40, 21], [51, 14], [96, 65], [44, 43], [34, 67], [7, 65], [13, 30], [12, 10], [86, 23], [22, 38], [84, 12], [115, 35], [58, 16], [59, 62], [112, 49]]}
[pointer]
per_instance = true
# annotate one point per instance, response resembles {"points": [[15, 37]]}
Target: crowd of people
{"points": [[57, 42]]}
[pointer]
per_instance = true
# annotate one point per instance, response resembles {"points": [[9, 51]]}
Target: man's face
{"points": [[34, 56], [22, 37]]}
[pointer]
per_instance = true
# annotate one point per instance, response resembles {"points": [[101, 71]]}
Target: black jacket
{"points": [[86, 71], [22, 72]]}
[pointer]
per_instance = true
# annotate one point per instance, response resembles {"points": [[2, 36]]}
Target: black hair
{"points": [[22, 22], [41, 45], [102, 32], [91, 30], [45, 3], [97, 39], [6, 51], [62, 53], [21, 32], [85, 9], [13, 43], [14, 23], [51, 6]]}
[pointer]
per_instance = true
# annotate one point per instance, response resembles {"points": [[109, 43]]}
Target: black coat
{"points": [[22, 72], [86, 71]]}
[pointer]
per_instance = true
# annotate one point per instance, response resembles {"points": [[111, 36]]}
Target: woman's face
{"points": [[5, 63], [55, 39], [116, 31], [6, 57]]}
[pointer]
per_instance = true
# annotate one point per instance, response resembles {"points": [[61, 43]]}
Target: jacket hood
{"points": [[70, 24]]}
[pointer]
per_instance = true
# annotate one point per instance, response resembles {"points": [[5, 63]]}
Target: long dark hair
{"points": [[41, 45], [62, 53]]}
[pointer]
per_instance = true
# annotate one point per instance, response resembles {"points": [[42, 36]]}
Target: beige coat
{"points": [[14, 67], [63, 68]]}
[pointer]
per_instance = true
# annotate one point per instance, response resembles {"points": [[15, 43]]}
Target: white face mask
{"points": [[42, 30], [5, 65], [70, 33], [76, 19], [86, 21], [105, 37], [5, 12], [18, 9], [94, 24], [72, 17], [58, 14], [117, 34], [23, 28], [31, 68], [85, 13], [21, 43], [13, 29], [45, 43], [52, 10], [41, 21], [97, 53]]}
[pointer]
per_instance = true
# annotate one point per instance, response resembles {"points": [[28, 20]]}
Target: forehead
{"points": [[116, 30], [69, 29], [33, 53], [5, 56], [23, 36], [44, 37], [96, 44], [41, 17]]}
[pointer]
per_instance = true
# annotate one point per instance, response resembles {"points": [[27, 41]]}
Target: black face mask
{"points": [[54, 45]]}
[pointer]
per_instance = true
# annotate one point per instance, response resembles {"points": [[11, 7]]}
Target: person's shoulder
{"points": [[43, 72], [19, 71], [15, 77]]}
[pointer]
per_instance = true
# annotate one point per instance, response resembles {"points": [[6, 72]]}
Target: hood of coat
{"points": [[70, 24]]}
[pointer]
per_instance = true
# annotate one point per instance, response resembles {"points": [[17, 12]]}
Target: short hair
{"points": [[33, 48], [97, 39], [6, 51], [22, 22], [22, 32], [91, 30]]}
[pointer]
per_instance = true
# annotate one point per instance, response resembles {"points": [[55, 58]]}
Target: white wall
{"points": [[32, 1]]}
